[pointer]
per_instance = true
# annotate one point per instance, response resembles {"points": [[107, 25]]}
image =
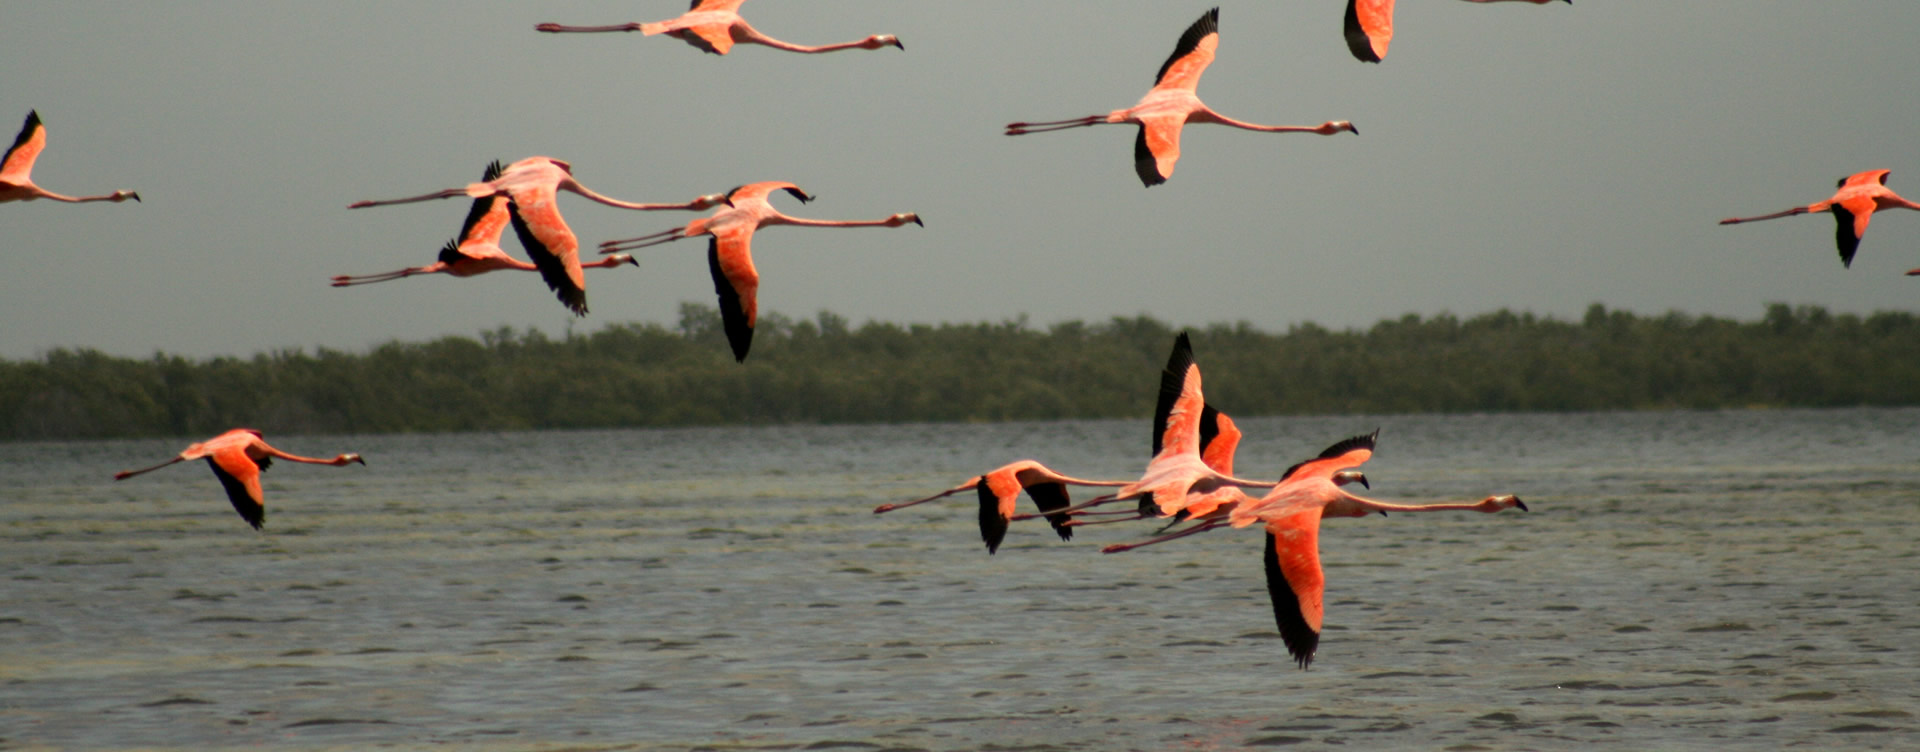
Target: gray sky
{"points": [[1534, 158]]}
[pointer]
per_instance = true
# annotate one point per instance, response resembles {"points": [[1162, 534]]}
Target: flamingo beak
{"points": [[1516, 500]]}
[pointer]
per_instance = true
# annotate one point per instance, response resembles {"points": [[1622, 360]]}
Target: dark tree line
{"points": [[826, 371]]}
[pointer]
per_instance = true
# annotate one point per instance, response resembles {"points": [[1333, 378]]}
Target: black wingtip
{"points": [[1208, 23]]}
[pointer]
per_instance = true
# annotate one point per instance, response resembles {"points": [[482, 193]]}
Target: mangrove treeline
{"points": [[826, 371]]}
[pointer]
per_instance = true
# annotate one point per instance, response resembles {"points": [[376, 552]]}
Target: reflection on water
{"points": [[1685, 581]]}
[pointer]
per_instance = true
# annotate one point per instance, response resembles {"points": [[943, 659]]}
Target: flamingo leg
{"points": [[554, 28], [125, 474], [1019, 129], [628, 244], [342, 280], [1094, 502], [448, 193], [1775, 215], [1200, 528]]}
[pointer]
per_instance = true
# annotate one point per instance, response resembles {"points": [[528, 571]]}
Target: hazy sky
{"points": [[1534, 158]]}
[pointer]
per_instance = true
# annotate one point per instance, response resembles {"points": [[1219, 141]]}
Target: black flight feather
{"points": [[551, 270], [732, 315], [1051, 496], [1300, 638], [993, 527], [26, 132], [250, 510], [1843, 236], [1357, 41], [1144, 164], [1363, 441], [1170, 382], [1209, 23]]}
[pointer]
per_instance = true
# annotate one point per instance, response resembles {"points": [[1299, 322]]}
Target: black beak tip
{"points": [[1516, 500]]}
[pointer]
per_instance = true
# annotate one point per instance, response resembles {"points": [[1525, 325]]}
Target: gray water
{"points": [[1686, 580]]}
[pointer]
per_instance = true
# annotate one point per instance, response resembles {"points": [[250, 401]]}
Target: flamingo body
{"points": [[477, 249], [237, 458], [534, 184], [1172, 103], [1859, 196], [730, 250], [999, 493], [1178, 473], [715, 26], [16, 169]]}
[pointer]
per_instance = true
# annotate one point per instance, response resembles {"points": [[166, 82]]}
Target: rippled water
{"points": [[1686, 581]]}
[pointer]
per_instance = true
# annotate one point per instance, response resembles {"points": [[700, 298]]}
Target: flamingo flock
{"points": [[1188, 484]]}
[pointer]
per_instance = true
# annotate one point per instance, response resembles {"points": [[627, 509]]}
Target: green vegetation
{"points": [[824, 371]]}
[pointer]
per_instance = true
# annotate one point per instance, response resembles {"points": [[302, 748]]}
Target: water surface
{"points": [[1687, 580]]}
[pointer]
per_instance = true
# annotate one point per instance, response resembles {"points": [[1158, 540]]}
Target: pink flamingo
{"points": [[1369, 26], [16, 169], [534, 184], [1860, 195], [1171, 104], [1178, 475], [477, 249], [999, 492], [729, 254], [1292, 512], [237, 457], [716, 26]]}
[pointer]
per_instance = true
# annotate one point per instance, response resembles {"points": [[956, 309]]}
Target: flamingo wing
{"points": [[26, 148], [1176, 420], [1158, 147], [730, 259], [1345, 454], [998, 494], [1850, 223], [1191, 55], [1219, 437], [1049, 496], [552, 246], [1369, 29], [1296, 582], [240, 475]]}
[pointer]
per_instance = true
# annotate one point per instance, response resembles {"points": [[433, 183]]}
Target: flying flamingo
{"points": [[533, 184], [1171, 104], [999, 492], [477, 250], [1369, 26], [999, 489], [1860, 195], [729, 255], [1292, 512], [716, 26], [237, 457], [1178, 475], [16, 169]]}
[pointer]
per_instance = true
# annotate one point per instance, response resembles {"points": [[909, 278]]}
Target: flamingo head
{"points": [[881, 40], [1493, 504], [710, 200], [623, 258], [1335, 126], [901, 219], [348, 458], [1351, 476], [119, 196]]}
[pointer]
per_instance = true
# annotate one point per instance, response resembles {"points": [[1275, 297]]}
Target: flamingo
{"points": [[1860, 195], [533, 184], [1178, 475], [729, 255], [237, 457], [477, 249], [1171, 104], [716, 26], [1369, 26], [999, 489], [16, 169], [1291, 512], [999, 492]]}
